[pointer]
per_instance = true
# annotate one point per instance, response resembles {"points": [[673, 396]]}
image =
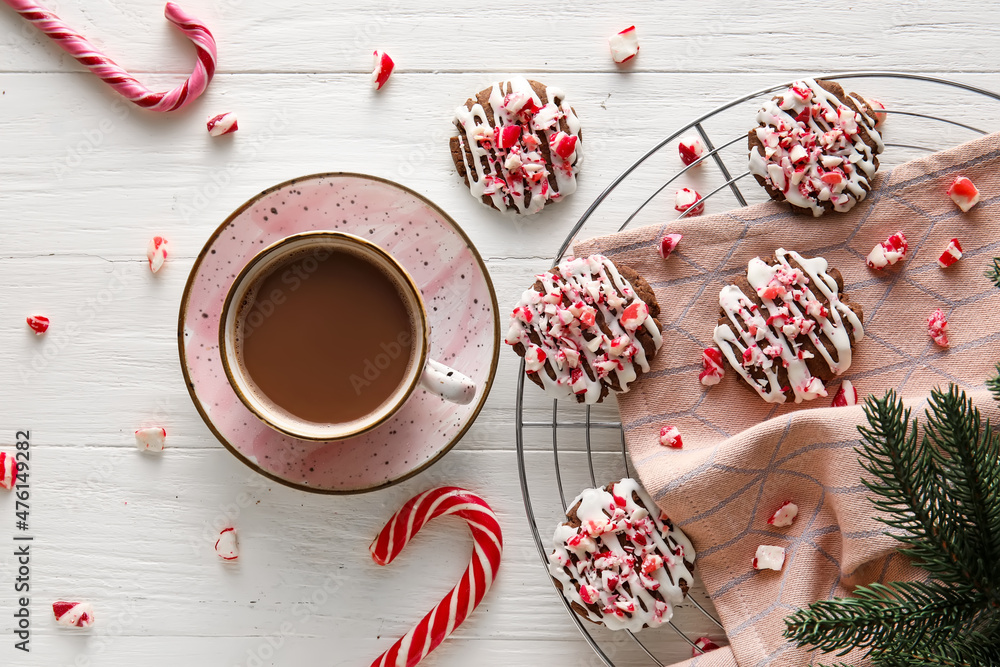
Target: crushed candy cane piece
{"points": [[668, 243], [785, 515], [846, 395], [381, 69], [769, 558], [878, 110], [691, 149], [226, 547], [624, 45], [963, 193], [702, 645], [73, 614], [38, 323], [951, 254], [714, 370], [224, 123], [670, 436], [634, 315], [888, 252], [8, 471], [156, 253], [564, 144], [685, 199], [151, 439], [937, 327]]}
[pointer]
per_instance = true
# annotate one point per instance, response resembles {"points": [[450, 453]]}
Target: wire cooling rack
{"points": [[563, 447]]}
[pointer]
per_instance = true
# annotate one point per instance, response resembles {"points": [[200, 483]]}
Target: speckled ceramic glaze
{"points": [[462, 311]]}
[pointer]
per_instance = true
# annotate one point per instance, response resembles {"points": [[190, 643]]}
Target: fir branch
{"points": [[889, 618], [940, 497], [993, 384], [965, 452], [993, 273], [904, 487]]}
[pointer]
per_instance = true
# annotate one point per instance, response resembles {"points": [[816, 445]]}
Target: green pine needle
{"points": [[994, 384], [993, 273], [939, 495]]}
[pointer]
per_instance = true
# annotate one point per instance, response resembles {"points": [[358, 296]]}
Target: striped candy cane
{"points": [[466, 596], [110, 73]]}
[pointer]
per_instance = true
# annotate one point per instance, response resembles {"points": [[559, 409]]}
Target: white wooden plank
{"points": [[424, 36], [86, 180], [144, 553]]}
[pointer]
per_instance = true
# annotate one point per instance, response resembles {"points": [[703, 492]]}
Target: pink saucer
{"points": [[461, 303]]}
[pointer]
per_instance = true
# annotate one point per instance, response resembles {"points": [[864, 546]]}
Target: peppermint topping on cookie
{"points": [[625, 566], [877, 109], [525, 152], [963, 193], [624, 45], [937, 327], [800, 304], [711, 360], [691, 149], [685, 199], [813, 149], [668, 243], [888, 252], [951, 254], [582, 327]]}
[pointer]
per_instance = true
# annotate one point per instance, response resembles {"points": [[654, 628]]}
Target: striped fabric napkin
{"points": [[743, 457]]}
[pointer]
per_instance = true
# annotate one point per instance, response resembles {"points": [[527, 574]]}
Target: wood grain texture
{"points": [[86, 180]]}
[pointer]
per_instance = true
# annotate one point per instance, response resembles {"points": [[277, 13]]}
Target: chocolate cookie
{"points": [[619, 560], [518, 146], [586, 328], [816, 147], [787, 328]]}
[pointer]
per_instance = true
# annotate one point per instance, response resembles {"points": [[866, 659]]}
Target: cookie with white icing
{"points": [[586, 328], [619, 560], [816, 147], [518, 146], [788, 328]]}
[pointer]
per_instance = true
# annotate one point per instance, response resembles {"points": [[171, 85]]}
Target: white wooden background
{"points": [[85, 181]]}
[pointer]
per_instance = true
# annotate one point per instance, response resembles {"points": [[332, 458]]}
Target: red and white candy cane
{"points": [[466, 596], [112, 74]]}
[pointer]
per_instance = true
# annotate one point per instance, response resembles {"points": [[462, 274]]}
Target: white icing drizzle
{"points": [[621, 554], [564, 319], [794, 310], [812, 148], [511, 173]]}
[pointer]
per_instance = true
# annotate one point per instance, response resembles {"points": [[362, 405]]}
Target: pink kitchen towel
{"points": [[743, 457]]}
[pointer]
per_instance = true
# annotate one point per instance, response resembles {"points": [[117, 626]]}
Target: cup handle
{"points": [[447, 383]]}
